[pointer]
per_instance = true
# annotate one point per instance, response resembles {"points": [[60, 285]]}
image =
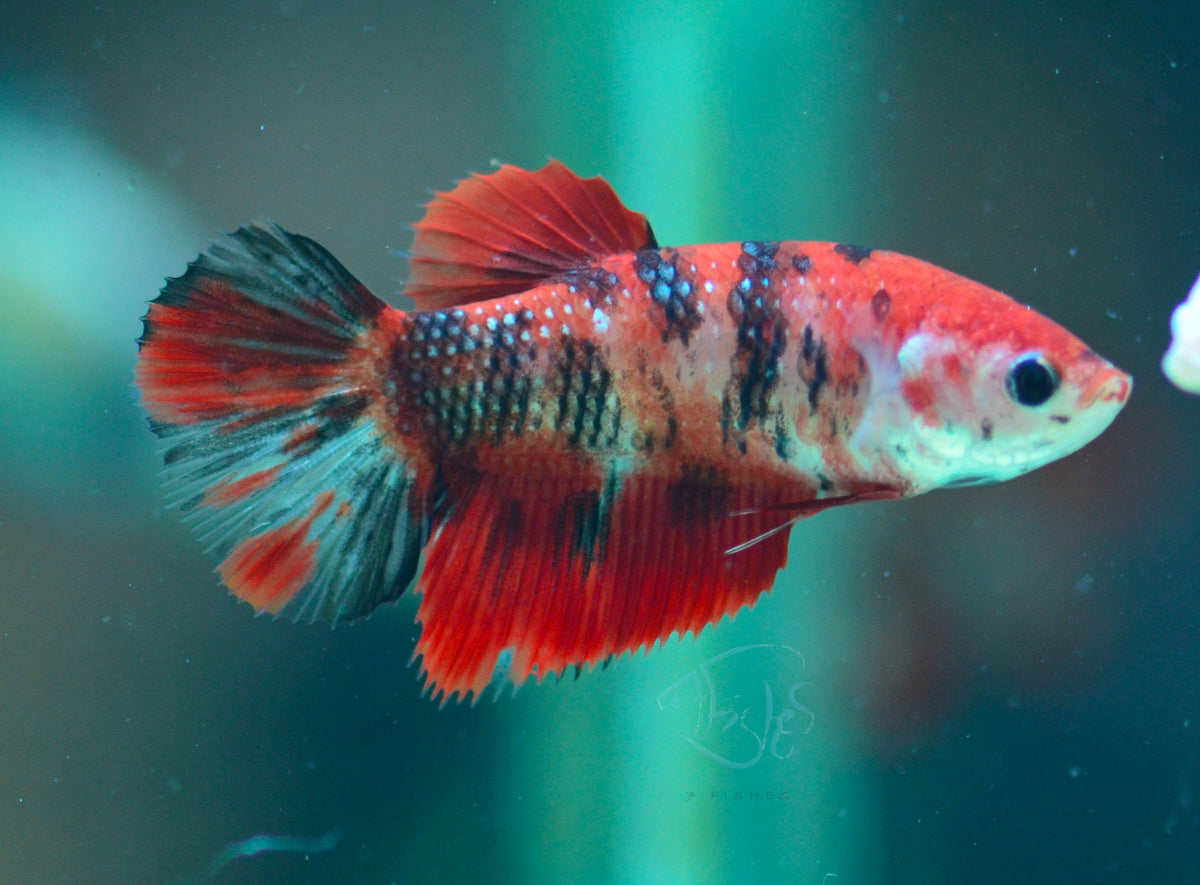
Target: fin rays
{"points": [[499, 234], [548, 593], [254, 368], [268, 373]]}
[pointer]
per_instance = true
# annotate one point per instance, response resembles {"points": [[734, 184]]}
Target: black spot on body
{"points": [[673, 299], [642, 441], [802, 263], [985, 429], [758, 257], [853, 254], [881, 305]]}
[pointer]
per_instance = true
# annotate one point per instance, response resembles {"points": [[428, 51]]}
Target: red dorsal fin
{"points": [[502, 233]]}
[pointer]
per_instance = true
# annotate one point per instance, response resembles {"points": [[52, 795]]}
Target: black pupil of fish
{"points": [[1031, 382]]}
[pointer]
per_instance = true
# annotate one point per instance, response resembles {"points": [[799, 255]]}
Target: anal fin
{"points": [[571, 571]]}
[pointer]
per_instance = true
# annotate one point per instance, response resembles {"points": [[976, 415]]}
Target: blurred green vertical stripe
{"points": [[719, 121]]}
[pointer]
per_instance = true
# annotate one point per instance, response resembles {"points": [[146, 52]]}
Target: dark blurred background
{"points": [[1002, 681]]}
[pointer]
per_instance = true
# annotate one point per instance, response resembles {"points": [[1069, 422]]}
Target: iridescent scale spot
{"points": [[674, 308], [476, 381]]}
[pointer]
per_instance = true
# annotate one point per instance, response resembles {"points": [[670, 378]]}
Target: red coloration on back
{"points": [[498, 234], [269, 568]]}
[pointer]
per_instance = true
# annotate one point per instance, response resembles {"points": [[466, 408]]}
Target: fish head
{"points": [[980, 389]]}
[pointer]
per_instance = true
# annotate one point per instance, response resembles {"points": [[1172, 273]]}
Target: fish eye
{"points": [[1031, 380]]}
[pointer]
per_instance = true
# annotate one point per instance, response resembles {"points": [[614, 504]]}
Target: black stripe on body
{"points": [[588, 408], [813, 365], [762, 328]]}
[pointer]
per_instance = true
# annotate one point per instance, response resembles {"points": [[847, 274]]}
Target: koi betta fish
{"points": [[591, 441]]}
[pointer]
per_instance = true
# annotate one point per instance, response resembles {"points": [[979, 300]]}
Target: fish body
{"points": [[593, 441]]}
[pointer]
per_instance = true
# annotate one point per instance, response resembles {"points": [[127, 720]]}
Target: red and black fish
{"points": [[594, 442]]}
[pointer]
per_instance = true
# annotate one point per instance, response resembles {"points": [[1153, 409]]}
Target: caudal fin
{"points": [[256, 367]]}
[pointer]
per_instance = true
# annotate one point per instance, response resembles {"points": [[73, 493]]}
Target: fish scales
{"points": [[611, 362], [580, 442]]}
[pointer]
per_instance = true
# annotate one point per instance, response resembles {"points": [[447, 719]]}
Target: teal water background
{"points": [[993, 685]]}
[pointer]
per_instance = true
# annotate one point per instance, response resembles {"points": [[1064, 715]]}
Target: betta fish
{"points": [[578, 442]]}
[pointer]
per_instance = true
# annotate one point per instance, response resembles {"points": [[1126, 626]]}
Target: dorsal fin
{"points": [[502, 233]]}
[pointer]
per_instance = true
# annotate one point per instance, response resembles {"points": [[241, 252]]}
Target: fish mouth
{"points": [[1109, 385]]}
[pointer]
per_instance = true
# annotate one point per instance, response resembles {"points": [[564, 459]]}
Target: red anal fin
{"points": [[572, 572], [497, 234]]}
